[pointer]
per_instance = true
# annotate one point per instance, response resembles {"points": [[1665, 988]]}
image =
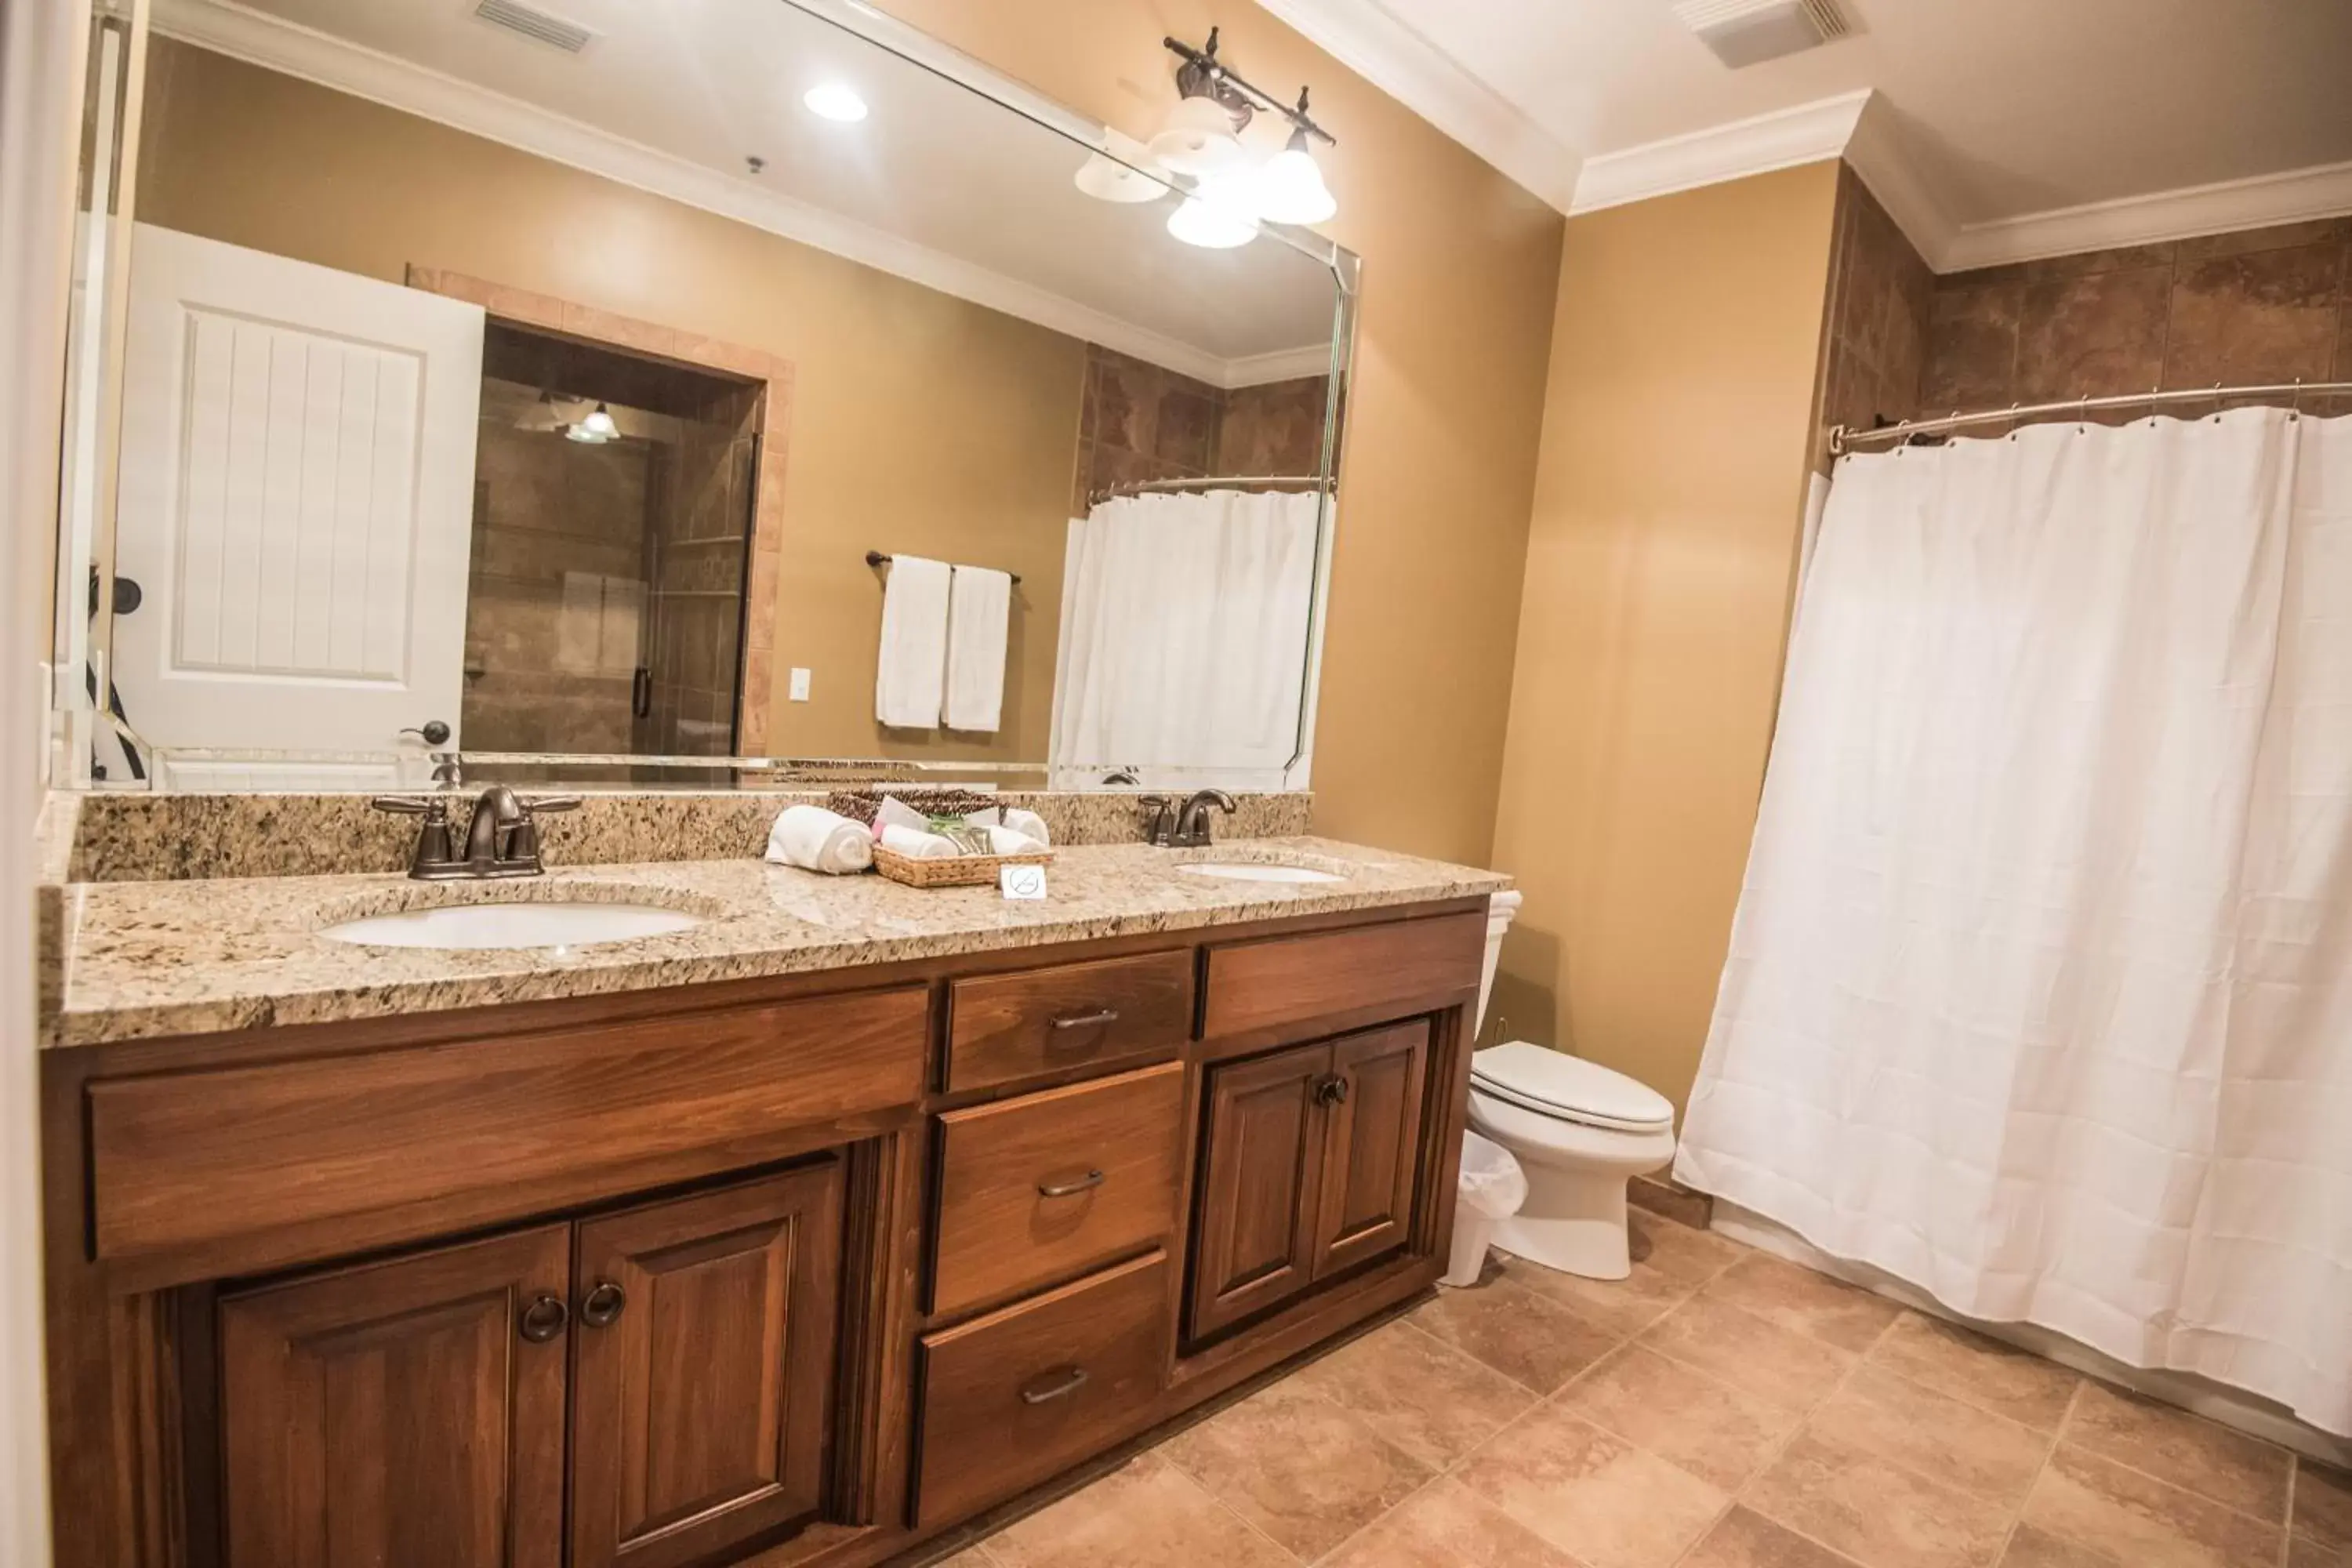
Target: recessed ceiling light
{"points": [[835, 100]]}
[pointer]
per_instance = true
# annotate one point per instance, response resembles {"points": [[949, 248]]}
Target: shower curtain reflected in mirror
{"points": [[2040, 991], [1183, 648]]}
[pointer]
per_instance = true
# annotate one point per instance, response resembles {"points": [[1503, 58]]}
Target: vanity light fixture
{"points": [[1290, 188], [1218, 215], [835, 100], [1121, 172], [595, 430], [1203, 139]]}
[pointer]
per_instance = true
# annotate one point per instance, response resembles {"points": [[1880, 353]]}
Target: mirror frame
{"points": [[76, 724]]}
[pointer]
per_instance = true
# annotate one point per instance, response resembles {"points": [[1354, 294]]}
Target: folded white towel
{"points": [[915, 845], [910, 673], [1012, 841], [816, 839], [980, 607], [1027, 822]]}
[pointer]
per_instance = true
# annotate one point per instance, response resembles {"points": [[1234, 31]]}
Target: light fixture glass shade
{"points": [[1121, 172], [595, 430], [1199, 139], [835, 100], [1216, 217], [1290, 188]]}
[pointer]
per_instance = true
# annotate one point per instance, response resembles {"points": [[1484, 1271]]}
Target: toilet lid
{"points": [[1557, 1084]]}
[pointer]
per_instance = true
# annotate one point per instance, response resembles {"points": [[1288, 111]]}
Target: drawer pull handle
{"points": [[543, 1319], [1099, 1018], [1068, 1386], [1070, 1189], [603, 1304]]}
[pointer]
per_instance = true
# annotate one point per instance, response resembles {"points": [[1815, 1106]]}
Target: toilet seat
{"points": [[1569, 1088]]}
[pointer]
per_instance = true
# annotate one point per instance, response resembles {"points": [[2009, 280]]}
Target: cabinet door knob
{"points": [[1070, 1189], [1332, 1090], [545, 1318], [603, 1304], [1072, 1381]]}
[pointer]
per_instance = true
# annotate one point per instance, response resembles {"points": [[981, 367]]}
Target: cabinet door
{"points": [[409, 1411], [702, 1383], [1253, 1240], [1373, 1144]]}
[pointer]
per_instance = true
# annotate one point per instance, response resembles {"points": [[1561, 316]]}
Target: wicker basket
{"points": [[950, 870]]}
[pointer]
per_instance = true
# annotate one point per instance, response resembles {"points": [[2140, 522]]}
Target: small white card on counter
{"points": [[1022, 881]]}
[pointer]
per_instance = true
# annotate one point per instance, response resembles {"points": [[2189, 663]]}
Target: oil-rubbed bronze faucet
{"points": [[1185, 827], [502, 839], [1192, 826]]}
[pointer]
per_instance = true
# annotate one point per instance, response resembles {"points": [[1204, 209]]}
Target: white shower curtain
{"points": [[1183, 641], [2040, 991]]}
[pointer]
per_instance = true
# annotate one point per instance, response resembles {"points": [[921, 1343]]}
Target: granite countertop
{"points": [[142, 960]]}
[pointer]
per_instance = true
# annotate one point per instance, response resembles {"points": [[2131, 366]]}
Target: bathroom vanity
{"points": [[798, 1237]]}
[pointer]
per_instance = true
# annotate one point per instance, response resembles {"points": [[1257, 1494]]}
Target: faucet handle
{"points": [[1162, 820], [410, 805], [552, 802]]}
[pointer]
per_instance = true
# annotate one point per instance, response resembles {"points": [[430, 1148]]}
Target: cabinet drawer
{"points": [[1037, 1188], [1015, 1396], [1292, 979], [1007, 1027], [185, 1159]]}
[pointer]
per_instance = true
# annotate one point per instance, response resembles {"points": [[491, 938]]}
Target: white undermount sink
{"points": [[1254, 872], [541, 923]]}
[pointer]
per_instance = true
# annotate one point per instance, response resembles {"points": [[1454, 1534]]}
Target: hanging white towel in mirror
{"points": [[979, 605], [911, 674]]}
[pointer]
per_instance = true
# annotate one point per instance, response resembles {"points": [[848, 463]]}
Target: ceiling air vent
{"points": [[535, 25], [1745, 32]]}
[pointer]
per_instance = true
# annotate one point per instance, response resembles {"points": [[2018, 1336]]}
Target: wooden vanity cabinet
{"points": [[796, 1271], [1310, 1159], [409, 1411], [702, 1369], [414, 1411]]}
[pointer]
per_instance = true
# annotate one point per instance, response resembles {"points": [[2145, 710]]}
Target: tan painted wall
{"points": [[920, 423], [1660, 564], [1444, 415]]}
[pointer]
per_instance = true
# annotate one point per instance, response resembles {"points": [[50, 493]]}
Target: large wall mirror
{"points": [[678, 393]]}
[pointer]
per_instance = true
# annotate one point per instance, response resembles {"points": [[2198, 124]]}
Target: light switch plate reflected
{"points": [[800, 684]]}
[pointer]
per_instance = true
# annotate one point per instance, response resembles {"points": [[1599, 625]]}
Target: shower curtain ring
{"points": [[2294, 409], [2082, 415], [2217, 403]]}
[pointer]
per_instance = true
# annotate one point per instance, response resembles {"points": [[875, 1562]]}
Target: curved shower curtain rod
{"points": [[1843, 438]]}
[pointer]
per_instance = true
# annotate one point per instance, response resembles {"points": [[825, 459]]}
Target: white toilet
{"points": [[1578, 1130]]}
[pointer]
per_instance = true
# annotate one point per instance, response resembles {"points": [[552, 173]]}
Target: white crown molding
{"points": [[295, 50], [1876, 154], [1370, 40], [1282, 364], [2259, 202], [1780, 140]]}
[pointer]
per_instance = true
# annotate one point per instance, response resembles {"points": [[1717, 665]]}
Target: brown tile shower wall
{"points": [[1875, 332], [1137, 421], [695, 547], [2257, 306], [545, 507]]}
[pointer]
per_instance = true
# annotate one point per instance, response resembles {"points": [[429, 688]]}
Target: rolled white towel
{"points": [[1012, 841], [915, 845], [1027, 822], [816, 839]]}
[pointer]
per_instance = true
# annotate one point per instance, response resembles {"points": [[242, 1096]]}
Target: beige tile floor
{"points": [[1719, 1409]]}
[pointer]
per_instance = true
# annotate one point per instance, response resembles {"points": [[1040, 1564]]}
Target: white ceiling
{"points": [[2001, 109], [939, 183]]}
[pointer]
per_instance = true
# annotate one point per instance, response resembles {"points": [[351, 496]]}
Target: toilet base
{"points": [[1574, 1221]]}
